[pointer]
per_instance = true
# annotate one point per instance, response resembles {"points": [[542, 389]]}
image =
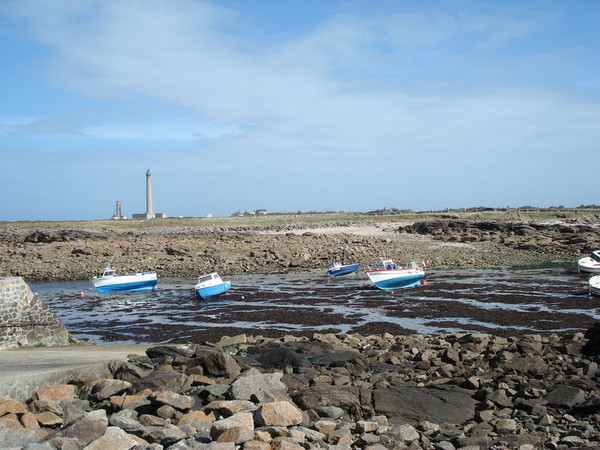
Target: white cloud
{"points": [[401, 95]]}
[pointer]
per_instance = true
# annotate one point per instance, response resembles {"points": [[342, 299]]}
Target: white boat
{"points": [[386, 275], [590, 263], [111, 282], [211, 285], [594, 284], [337, 269]]}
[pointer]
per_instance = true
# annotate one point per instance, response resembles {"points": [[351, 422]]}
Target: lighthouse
{"points": [[149, 211], [149, 208]]}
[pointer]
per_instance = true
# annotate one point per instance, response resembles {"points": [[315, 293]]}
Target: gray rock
{"points": [[259, 385], [282, 357], [164, 380], [164, 436], [105, 388], [563, 395], [444, 404], [220, 364], [173, 351], [316, 396]]}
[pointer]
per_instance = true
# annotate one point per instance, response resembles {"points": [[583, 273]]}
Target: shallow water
{"points": [[505, 302]]}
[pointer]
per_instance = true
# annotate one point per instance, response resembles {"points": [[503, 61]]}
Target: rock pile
{"points": [[331, 391], [549, 238]]}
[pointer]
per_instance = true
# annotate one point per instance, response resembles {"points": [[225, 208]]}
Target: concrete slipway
{"points": [[25, 370]]}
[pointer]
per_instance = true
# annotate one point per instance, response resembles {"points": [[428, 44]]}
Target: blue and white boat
{"points": [[386, 275], [590, 264], [337, 269], [111, 282], [211, 285]]}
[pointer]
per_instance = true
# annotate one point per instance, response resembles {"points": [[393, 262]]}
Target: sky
{"points": [[289, 105]]}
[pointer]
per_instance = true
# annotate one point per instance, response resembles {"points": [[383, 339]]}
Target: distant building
{"points": [[149, 210], [117, 215]]}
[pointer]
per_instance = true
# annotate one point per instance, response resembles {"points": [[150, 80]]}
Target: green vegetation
{"points": [[316, 219]]}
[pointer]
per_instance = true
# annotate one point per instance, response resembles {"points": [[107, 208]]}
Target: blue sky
{"points": [[309, 105]]}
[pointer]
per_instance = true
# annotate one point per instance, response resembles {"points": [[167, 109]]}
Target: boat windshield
{"points": [[204, 278], [108, 273], [384, 264], [596, 256]]}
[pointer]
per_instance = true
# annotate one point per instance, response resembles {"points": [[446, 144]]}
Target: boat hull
{"points": [[343, 270], [213, 291], [588, 265], [396, 278], [127, 283], [595, 285]]}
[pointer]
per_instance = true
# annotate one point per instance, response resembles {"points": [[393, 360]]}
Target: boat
{"points": [[594, 284], [386, 275], [211, 285], [590, 263], [111, 282], [337, 269]]}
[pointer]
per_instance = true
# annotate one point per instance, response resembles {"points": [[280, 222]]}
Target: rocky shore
{"points": [[178, 251], [467, 391]]}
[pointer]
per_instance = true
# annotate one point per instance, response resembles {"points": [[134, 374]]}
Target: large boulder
{"points": [[443, 404]]}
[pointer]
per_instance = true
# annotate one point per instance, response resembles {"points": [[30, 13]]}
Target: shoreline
{"points": [[176, 250]]}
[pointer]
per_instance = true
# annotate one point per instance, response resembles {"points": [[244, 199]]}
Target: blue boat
{"points": [[111, 282], [337, 269], [388, 276], [211, 285]]}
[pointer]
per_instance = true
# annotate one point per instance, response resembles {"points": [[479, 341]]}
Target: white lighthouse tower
{"points": [[149, 208], [149, 211]]}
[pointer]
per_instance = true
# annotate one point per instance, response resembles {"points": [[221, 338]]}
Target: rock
{"points": [[406, 433], [315, 397], [102, 389], [127, 420], [506, 426], [237, 435], [262, 387], [282, 357], [279, 414], [114, 439], [332, 412], [122, 370], [173, 351], [164, 380], [48, 419], [441, 404], [130, 401], [10, 406], [221, 365], [196, 419], [91, 427], [563, 395], [56, 393], [230, 407], [177, 401], [238, 420], [163, 435]]}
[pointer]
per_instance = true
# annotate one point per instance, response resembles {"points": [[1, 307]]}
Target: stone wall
{"points": [[25, 320]]}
